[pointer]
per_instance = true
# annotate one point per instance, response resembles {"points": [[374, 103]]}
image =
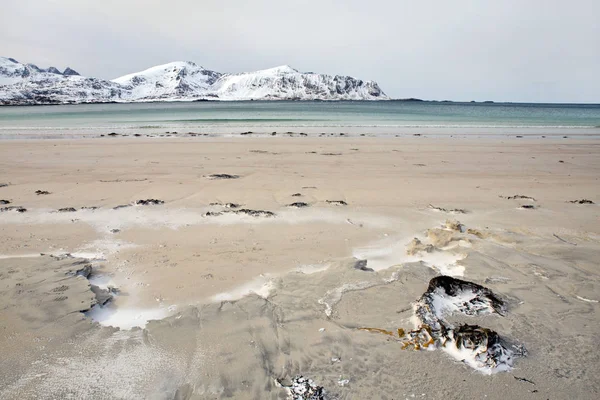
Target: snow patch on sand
{"points": [[389, 253], [261, 286], [126, 318], [107, 220]]}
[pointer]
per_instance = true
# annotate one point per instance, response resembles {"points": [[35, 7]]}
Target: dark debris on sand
{"points": [[582, 201], [222, 176], [301, 388], [299, 204], [41, 192], [448, 210], [337, 202], [518, 197], [528, 207], [3, 202], [226, 205], [66, 209], [149, 202], [243, 211], [13, 208]]}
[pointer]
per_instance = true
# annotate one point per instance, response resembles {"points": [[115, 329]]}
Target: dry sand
{"points": [[237, 302]]}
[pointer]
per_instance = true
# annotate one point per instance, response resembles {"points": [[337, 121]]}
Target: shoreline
{"points": [[312, 133]]}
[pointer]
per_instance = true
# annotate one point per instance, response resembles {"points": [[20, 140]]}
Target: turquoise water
{"points": [[378, 118]]}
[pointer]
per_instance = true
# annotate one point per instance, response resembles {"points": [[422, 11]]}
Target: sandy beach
{"points": [[204, 268]]}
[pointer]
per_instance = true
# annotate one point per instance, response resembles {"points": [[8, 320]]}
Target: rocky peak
{"points": [[70, 72]]}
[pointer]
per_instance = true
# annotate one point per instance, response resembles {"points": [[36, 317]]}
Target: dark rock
{"points": [[66, 209], [4, 201], [121, 206], [489, 348], [89, 208], [297, 195], [115, 230], [41, 192], [454, 287], [362, 266], [149, 202], [113, 134], [3, 184]]}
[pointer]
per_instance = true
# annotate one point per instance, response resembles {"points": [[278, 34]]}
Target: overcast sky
{"points": [[503, 50]]}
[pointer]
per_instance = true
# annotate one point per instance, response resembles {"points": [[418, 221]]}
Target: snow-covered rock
{"points": [[177, 81]]}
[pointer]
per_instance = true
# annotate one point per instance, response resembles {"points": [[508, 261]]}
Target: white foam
{"points": [[126, 318], [261, 286]]}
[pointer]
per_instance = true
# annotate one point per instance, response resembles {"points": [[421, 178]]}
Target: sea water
{"points": [[381, 118]]}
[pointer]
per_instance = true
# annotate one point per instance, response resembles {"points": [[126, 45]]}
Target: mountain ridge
{"points": [[27, 84]]}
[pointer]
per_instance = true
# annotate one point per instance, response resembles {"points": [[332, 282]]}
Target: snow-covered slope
{"points": [[177, 81], [29, 84], [286, 83]]}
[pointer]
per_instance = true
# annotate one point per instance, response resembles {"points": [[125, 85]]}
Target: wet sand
{"points": [[215, 301]]}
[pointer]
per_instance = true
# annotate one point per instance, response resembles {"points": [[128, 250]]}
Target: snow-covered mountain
{"points": [[29, 84], [177, 81]]}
